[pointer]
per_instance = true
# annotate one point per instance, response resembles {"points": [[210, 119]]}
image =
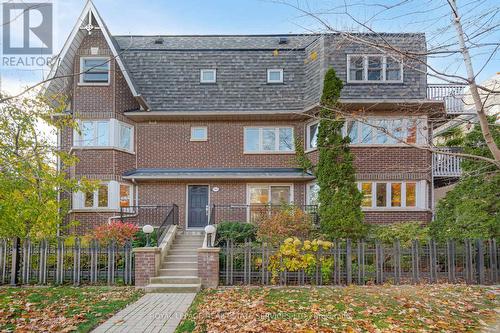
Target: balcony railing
{"points": [[445, 165], [254, 213], [452, 95]]}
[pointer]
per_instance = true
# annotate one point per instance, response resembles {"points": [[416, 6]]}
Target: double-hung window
{"points": [[125, 195], [269, 140], [374, 68], [125, 136], [312, 193], [94, 70], [394, 194]]}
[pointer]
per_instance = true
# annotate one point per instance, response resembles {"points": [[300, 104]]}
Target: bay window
{"points": [[109, 195], [397, 194], [386, 131], [374, 68], [104, 133], [268, 140]]}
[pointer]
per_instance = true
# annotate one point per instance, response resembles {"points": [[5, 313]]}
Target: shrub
{"points": [[289, 221], [115, 231], [140, 239], [237, 232], [404, 231], [294, 255]]}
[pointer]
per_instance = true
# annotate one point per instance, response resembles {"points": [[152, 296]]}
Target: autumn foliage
{"points": [[115, 231], [274, 227]]}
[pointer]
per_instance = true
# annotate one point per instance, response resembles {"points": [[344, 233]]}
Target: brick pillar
{"points": [[208, 267], [147, 263]]}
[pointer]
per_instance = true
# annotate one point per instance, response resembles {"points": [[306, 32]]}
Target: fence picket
{"points": [[15, 261], [450, 254], [3, 259], [397, 261], [493, 261], [348, 262], [415, 261], [479, 262]]}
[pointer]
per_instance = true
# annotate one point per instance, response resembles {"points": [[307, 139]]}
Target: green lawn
{"points": [[422, 308], [61, 309]]}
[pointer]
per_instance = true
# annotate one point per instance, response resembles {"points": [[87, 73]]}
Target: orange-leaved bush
{"points": [[115, 231], [288, 221]]}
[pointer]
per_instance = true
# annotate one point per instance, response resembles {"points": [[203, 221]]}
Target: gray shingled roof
{"points": [[219, 173], [211, 42]]}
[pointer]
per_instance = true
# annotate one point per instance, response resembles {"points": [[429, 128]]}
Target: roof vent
{"points": [[159, 41], [283, 40]]}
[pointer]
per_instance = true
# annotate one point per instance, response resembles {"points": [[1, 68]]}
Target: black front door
{"points": [[197, 206]]}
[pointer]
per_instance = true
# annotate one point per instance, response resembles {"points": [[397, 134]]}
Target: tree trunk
{"points": [[478, 104]]}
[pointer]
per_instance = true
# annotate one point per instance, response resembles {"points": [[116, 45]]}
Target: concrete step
{"points": [[181, 257], [178, 271], [173, 265], [182, 251], [173, 288], [174, 280], [188, 242]]}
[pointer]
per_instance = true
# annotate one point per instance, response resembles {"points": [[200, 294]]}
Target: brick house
{"points": [[208, 123]]}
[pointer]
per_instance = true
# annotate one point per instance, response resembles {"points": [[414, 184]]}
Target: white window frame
{"points": [[308, 192], [420, 195], [421, 135], [204, 128], [82, 74], [78, 202], [269, 185], [113, 133], [270, 70], [202, 71], [308, 135], [276, 143], [365, 69]]}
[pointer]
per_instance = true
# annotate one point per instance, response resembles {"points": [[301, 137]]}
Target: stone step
{"points": [[181, 257], [173, 265], [174, 280], [178, 271], [188, 242], [173, 288]]}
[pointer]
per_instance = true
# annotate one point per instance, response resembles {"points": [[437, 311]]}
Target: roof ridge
{"points": [[275, 35]]}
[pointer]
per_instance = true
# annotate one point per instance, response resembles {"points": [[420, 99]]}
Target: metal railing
{"points": [[254, 213], [364, 262], [161, 217], [445, 165], [452, 95]]}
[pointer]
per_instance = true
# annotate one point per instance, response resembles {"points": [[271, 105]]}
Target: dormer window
{"points": [[208, 76], [94, 70], [275, 76], [373, 68]]}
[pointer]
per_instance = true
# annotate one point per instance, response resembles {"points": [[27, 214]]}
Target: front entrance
{"points": [[197, 206]]}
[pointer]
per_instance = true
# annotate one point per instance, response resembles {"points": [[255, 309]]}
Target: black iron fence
{"points": [[255, 213], [347, 262], [60, 261]]}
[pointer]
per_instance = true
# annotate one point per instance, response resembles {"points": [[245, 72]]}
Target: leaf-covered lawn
{"points": [[422, 308], [60, 309]]}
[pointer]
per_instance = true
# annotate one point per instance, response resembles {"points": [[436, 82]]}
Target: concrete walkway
{"points": [[151, 313]]}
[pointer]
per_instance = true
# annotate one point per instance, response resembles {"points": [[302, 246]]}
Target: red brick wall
{"points": [[397, 216], [145, 266], [208, 267], [168, 145]]}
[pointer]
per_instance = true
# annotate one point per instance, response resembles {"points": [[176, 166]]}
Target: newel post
{"points": [[208, 266], [147, 264]]}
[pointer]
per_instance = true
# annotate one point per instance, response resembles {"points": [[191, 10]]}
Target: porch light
{"points": [[148, 230]]}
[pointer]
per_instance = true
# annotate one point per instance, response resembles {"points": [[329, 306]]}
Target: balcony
{"points": [[254, 213], [444, 165], [452, 95]]}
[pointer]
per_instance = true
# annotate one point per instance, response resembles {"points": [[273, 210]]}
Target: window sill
{"points": [[94, 210], [374, 82], [310, 150], [395, 209], [101, 148], [381, 145], [96, 84], [198, 140], [270, 153], [208, 83], [275, 83]]}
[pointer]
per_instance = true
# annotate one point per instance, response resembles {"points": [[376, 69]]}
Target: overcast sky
{"points": [[166, 17]]}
